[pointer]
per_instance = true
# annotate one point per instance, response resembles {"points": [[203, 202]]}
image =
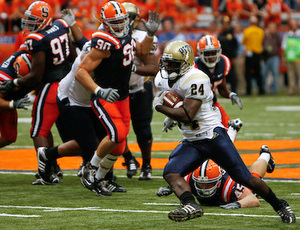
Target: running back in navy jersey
{"points": [[55, 42], [115, 71]]}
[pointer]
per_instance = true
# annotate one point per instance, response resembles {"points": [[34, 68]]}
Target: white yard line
{"points": [[16, 215], [53, 209]]}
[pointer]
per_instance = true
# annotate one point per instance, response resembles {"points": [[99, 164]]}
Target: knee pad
{"points": [[108, 161]]}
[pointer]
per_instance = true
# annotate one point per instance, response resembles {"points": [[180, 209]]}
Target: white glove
{"points": [[108, 94], [169, 123], [233, 205], [235, 99], [22, 103], [159, 99], [152, 24], [68, 16], [164, 191]]}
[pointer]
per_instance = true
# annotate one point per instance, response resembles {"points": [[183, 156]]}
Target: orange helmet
{"points": [[115, 19], [37, 17], [207, 178], [22, 64], [209, 50]]}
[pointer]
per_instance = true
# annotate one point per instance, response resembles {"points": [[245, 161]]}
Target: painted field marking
{"points": [[123, 176], [16, 215], [283, 108], [295, 194], [133, 211]]}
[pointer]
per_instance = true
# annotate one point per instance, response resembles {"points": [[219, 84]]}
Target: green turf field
{"points": [[70, 206]]}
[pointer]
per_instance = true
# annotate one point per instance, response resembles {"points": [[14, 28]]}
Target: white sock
{"points": [[96, 160], [101, 172], [264, 156], [231, 133]]}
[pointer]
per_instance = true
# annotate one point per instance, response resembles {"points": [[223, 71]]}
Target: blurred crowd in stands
{"points": [[226, 19]]}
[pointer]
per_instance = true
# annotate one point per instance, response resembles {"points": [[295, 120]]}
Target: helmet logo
{"points": [[45, 12]]}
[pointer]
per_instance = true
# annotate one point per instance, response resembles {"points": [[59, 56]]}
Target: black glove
{"points": [[235, 99], [233, 205], [7, 86]]}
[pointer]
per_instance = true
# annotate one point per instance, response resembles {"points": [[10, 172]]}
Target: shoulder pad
{"points": [[61, 22], [102, 40]]}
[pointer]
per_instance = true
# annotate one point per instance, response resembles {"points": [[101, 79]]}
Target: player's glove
{"points": [[169, 123], [235, 99], [22, 103], [152, 24], [108, 94], [68, 16], [233, 205], [7, 86], [164, 191], [159, 99]]}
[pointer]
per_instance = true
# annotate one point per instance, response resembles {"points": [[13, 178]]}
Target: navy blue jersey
{"points": [[114, 72], [7, 72], [220, 71], [229, 191], [55, 42]]}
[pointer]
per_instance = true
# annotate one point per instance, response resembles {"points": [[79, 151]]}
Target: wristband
{"points": [[16, 82], [150, 36], [97, 90], [11, 104]]}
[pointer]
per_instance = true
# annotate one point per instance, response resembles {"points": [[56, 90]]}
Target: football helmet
{"points": [[209, 50], [115, 19], [133, 13], [177, 59], [22, 64], [37, 17], [207, 178]]}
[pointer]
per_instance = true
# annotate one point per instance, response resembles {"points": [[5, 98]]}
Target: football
{"points": [[173, 100]]}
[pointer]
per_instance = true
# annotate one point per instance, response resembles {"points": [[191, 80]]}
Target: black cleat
{"points": [[146, 173], [271, 163], [286, 213], [235, 124], [88, 176], [112, 186], [80, 170], [132, 165], [187, 212], [100, 188]]}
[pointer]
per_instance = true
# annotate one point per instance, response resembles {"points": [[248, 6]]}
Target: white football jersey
{"points": [[70, 88], [195, 84], [136, 82]]}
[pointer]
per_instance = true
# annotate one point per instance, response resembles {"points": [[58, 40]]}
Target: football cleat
{"points": [[286, 213], [112, 186], [164, 191], [88, 176], [42, 159], [271, 163], [132, 166], [187, 212], [40, 181], [146, 173], [57, 170], [80, 170], [100, 188], [235, 124]]}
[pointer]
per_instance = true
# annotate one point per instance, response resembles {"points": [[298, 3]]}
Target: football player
{"points": [[17, 65], [110, 60], [204, 136], [212, 186], [141, 97], [217, 66], [49, 44]]}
